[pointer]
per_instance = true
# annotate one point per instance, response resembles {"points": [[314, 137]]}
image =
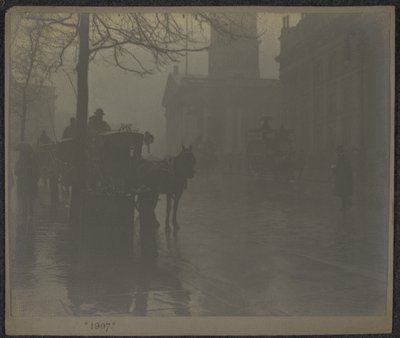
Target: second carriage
{"points": [[270, 152]]}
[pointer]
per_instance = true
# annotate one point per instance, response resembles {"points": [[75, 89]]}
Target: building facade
{"points": [[334, 73], [228, 101]]}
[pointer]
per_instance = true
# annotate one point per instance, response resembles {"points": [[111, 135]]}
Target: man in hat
{"points": [[96, 123]]}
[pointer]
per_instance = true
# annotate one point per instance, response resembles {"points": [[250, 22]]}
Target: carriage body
{"points": [[116, 159], [259, 151], [111, 160], [268, 151]]}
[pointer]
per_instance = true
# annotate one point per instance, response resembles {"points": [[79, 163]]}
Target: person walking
{"points": [[343, 178]]}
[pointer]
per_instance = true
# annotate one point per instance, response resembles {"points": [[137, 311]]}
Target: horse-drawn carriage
{"points": [[112, 158], [259, 151], [116, 174], [270, 151]]}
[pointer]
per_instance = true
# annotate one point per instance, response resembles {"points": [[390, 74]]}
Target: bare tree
{"points": [[141, 43], [34, 57]]}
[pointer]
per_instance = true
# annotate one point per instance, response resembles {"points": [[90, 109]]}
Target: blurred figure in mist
{"points": [[343, 178], [27, 174], [44, 139], [69, 131]]}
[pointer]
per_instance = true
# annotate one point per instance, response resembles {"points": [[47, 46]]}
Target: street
{"points": [[246, 247]]}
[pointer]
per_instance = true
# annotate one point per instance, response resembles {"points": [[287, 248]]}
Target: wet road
{"points": [[246, 247]]}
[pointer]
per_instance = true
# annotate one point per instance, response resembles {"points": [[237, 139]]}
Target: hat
{"points": [[99, 111]]}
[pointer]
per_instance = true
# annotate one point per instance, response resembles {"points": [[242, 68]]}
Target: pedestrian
{"points": [[343, 178], [44, 139], [27, 174], [69, 131]]}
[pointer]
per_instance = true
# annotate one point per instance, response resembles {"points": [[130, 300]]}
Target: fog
{"points": [[129, 98], [255, 180]]}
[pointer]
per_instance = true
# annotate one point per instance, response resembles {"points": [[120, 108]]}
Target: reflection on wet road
{"points": [[246, 247]]}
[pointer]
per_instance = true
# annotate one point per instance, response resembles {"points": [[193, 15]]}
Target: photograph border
{"points": [[213, 325]]}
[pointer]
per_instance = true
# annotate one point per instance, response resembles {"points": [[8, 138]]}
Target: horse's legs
{"points": [[147, 203], [169, 197], [175, 211]]}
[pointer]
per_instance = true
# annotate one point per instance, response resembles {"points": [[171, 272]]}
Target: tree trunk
{"points": [[79, 182]]}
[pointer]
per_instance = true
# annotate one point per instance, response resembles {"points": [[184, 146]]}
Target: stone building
{"points": [[228, 101], [334, 73]]}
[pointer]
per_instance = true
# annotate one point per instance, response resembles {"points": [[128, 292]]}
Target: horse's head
{"points": [[184, 163]]}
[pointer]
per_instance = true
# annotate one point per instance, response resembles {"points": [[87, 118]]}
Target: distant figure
{"points": [[44, 139], [27, 174], [69, 131], [96, 123], [148, 139], [343, 178], [264, 124]]}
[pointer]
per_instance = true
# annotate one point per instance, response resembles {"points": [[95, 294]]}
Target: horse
{"points": [[183, 169], [168, 177]]}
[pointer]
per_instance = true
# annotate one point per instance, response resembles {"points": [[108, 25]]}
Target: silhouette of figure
{"points": [[27, 173], [95, 127], [343, 178], [148, 139], [69, 131], [44, 139], [96, 123]]}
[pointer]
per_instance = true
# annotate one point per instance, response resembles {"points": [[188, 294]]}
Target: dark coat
{"points": [[97, 126], [343, 179]]}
